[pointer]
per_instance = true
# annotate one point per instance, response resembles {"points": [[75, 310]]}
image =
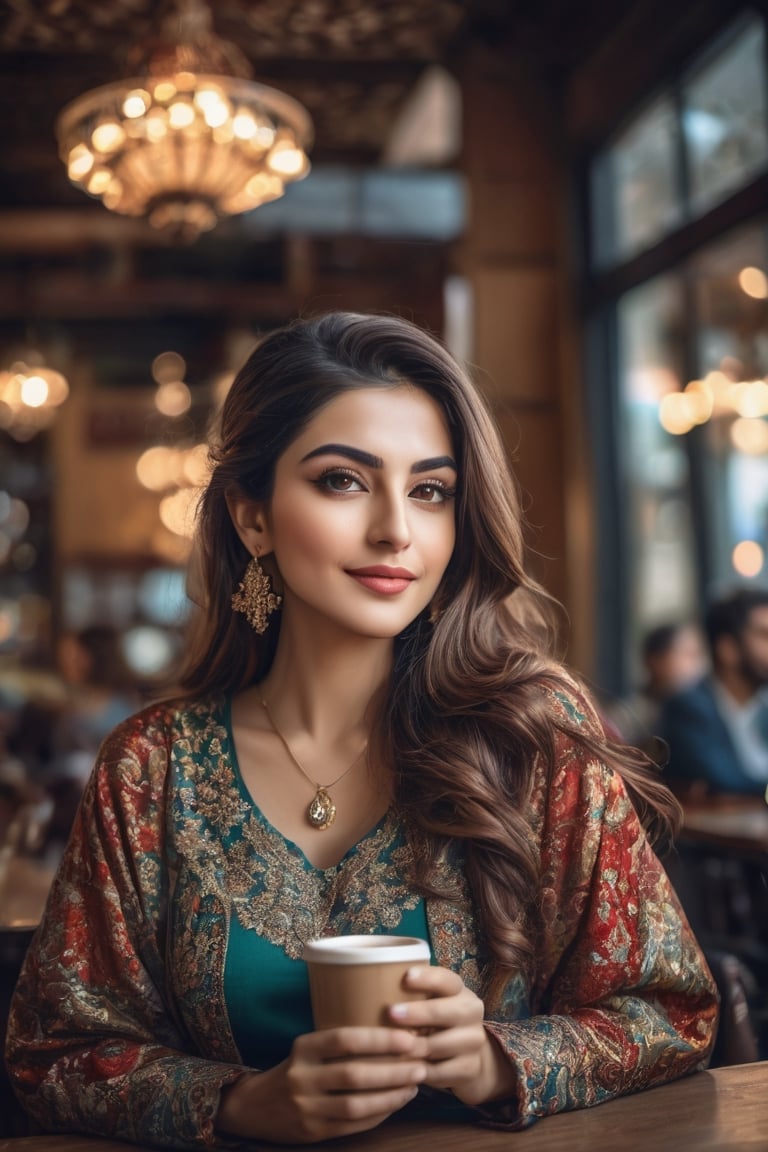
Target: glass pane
{"points": [[655, 478], [375, 202], [730, 292], [634, 189], [724, 120]]}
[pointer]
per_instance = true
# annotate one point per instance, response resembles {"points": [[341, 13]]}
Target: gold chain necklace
{"points": [[321, 812]]}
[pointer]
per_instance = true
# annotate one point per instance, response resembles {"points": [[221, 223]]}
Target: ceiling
{"points": [[352, 63], [66, 260]]}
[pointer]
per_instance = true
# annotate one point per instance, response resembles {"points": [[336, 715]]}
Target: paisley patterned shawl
{"points": [[119, 1026]]}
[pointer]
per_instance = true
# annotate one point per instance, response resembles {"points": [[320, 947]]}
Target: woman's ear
{"points": [[250, 523]]}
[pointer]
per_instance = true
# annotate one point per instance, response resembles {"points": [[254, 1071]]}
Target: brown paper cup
{"points": [[353, 980]]}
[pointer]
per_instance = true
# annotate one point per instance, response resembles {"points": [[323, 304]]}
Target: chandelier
{"points": [[188, 137]]}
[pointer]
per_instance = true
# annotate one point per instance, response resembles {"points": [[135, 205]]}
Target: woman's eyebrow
{"points": [[371, 461], [433, 463], [347, 450]]}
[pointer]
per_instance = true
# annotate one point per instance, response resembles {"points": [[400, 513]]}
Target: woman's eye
{"points": [[431, 493], [339, 482]]}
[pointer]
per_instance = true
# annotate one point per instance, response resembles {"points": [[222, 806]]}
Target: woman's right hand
{"points": [[329, 1086]]}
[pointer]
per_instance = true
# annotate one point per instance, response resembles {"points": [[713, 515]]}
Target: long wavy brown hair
{"points": [[469, 711]]}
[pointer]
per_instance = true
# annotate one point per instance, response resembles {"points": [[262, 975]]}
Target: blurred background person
{"points": [[100, 692], [717, 729], [673, 657]]}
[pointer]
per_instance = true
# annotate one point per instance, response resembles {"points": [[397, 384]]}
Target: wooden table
{"points": [[721, 1111], [24, 887], [735, 823]]}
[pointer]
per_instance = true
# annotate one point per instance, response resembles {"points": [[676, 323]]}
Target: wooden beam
{"points": [[65, 230], [70, 296]]}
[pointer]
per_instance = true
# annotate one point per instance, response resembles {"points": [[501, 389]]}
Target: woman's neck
{"points": [[326, 686]]}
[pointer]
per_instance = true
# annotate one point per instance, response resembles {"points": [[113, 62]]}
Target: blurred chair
{"points": [[725, 897], [736, 1040], [13, 947]]}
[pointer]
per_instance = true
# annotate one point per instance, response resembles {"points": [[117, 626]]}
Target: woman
{"points": [[370, 738]]}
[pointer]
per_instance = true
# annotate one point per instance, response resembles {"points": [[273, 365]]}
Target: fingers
{"points": [[369, 1074], [434, 981], [357, 1060], [451, 1037], [289, 1103], [334, 1083], [453, 1042], [453, 1056], [451, 1003], [368, 1107], [337, 1043], [347, 1080]]}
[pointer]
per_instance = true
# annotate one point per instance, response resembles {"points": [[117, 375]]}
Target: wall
{"points": [[514, 254]]}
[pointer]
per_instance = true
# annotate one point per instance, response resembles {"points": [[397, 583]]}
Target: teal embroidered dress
{"points": [[265, 980]]}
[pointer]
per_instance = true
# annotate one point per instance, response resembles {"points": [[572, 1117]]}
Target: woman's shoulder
{"points": [[571, 705], [132, 766], [578, 775], [160, 724]]}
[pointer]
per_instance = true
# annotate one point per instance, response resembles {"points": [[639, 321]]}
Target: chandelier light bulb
{"points": [[107, 136], [99, 181], [156, 124], [164, 91], [136, 104], [189, 138], [286, 160], [80, 162], [205, 97], [244, 125], [181, 114]]}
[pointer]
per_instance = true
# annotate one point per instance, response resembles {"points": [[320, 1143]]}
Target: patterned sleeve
{"points": [[93, 1043], [622, 998]]}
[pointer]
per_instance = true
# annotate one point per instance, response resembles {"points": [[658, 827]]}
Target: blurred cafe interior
{"points": [[575, 196]]}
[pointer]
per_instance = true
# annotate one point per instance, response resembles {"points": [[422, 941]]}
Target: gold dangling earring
{"points": [[255, 598]]}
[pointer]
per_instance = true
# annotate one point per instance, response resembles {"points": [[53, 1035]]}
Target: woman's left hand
{"points": [[461, 1055]]}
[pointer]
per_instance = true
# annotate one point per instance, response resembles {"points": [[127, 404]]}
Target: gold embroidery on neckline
{"points": [[267, 880]]}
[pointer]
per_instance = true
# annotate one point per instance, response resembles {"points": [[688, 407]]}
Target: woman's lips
{"points": [[389, 581]]}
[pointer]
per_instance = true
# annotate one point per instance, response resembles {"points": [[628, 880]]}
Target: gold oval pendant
{"points": [[322, 811]]}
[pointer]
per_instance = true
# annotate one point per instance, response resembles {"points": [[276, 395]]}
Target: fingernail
{"points": [[413, 973], [399, 1011]]}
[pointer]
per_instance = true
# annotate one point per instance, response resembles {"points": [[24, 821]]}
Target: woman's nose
{"points": [[389, 522]]}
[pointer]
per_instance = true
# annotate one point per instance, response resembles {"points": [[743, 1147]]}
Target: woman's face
{"points": [[361, 520]]}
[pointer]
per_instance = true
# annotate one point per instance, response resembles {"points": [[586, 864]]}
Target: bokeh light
{"points": [[753, 282], [748, 558]]}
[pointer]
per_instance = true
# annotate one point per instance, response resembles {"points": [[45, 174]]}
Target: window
{"points": [[655, 478], [684, 337], [724, 120], [730, 325], [696, 143], [635, 197]]}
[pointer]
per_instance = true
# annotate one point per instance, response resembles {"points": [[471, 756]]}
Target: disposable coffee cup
{"points": [[354, 980]]}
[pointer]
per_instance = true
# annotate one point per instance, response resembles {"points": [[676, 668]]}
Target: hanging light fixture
{"points": [[30, 393], [188, 137]]}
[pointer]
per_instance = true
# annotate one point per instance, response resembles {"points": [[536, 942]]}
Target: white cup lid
{"points": [[366, 950]]}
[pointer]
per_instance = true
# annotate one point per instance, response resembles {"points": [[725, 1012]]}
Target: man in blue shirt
{"points": [[717, 730]]}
